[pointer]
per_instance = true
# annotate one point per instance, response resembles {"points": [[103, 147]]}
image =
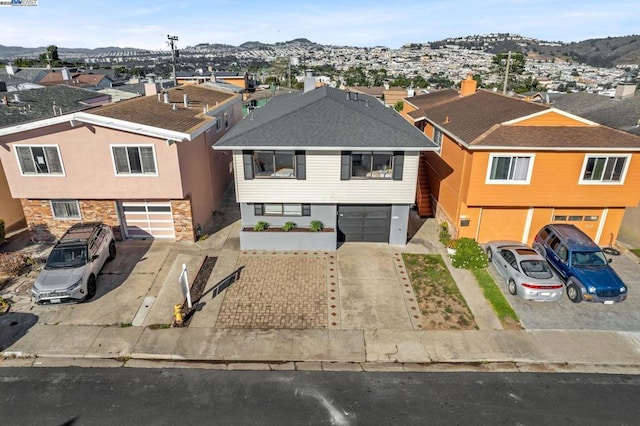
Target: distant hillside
{"points": [[604, 52]]}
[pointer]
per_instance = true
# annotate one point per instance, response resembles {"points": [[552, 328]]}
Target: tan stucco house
{"points": [[144, 166]]}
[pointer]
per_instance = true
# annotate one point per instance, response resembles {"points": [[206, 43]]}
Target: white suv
{"points": [[74, 263]]}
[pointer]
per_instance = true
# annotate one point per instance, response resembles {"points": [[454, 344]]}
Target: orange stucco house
{"points": [[144, 166], [507, 166]]}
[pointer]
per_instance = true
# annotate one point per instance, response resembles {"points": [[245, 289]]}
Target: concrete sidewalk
{"points": [[380, 350]]}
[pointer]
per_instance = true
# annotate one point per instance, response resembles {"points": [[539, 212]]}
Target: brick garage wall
{"points": [[44, 227], [183, 220]]}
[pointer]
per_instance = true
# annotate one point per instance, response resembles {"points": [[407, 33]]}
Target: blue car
{"points": [[580, 263]]}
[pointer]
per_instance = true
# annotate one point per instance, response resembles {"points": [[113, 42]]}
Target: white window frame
{"points": [[282, 209], [623, 175], [57, 147], [526, 181], [53, 211], [218, 124], [115, 168]]}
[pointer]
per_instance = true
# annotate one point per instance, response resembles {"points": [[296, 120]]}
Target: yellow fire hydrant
{"points": [[177, 314]]}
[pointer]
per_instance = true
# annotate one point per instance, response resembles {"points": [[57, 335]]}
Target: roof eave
{"points": [[552, 148], [323, 148], [128, 126]]}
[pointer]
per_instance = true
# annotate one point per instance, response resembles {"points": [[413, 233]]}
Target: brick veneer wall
{"points": [[44, 227], [183, 220]]}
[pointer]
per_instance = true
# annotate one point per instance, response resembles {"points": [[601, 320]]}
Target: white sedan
{"points": [[527, 273]]}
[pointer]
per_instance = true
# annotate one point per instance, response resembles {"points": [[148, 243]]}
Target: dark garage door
{"points": [[364, 223]]}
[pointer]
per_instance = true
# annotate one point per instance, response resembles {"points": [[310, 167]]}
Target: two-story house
{"points": [[325, 155], [505, 167], [144, 166]]}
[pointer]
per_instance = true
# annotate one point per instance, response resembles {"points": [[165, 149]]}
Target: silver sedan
{"points": [[527, 273]]}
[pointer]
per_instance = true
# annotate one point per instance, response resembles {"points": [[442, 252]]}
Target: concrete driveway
{"points": [[565, 315]]}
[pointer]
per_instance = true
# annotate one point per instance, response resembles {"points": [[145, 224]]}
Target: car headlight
{"points": [[592, 289], [74, 285], [623, 289]]}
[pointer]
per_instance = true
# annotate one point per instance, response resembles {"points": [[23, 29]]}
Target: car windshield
{"points": [[536, 269], [67, 257], [588, 258]]}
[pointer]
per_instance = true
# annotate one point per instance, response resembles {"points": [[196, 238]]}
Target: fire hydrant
{"points": [[177, 314]]}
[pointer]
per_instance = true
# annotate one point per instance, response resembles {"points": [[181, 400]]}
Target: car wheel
{"points": [[489, 254], [573, 293], [91, 287], [512, 287], [112, 250]]}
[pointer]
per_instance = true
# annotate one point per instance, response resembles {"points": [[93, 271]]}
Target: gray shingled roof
{"points": [[325, 118], [37, 104], [621, 114]]}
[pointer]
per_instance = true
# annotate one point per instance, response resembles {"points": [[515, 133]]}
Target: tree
{"points": [[398, 106], [51, 56], [516, 67], [355, 76]]}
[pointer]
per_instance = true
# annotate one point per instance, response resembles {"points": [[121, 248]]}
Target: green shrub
{"points": [[444, 236], [288, 226], [1, 230], [261, 226], [469, 255], [315, 226]]}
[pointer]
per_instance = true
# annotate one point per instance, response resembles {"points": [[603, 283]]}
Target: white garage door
{"points": [[148, 219]]}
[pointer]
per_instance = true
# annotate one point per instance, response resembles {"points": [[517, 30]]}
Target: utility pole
{"points": [[506, 74], [172, 43]]}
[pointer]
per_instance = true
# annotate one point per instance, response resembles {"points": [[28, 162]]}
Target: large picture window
{"points": [[134, 160], [604, 169], [510, 169], [371, 165], [65, 209], [39, 160], [279, 209], [274, 164]]}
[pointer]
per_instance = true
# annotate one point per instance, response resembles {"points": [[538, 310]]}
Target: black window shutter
{"points": [[398, 164], [345, 165], [301, 166], [258, 209], [306, 210], [247, 162]]}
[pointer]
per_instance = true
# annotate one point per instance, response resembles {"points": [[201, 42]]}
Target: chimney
{"points": [[66, 75], [11, 70], [625, 89], [166, 97], [151, 89], [468, 86], [309, 81], [185, 99]]}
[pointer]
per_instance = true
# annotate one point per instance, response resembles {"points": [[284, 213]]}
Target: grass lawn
{"points": [[440, 301], [494, 295], [636, 252]]}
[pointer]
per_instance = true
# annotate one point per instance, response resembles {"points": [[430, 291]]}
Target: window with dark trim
{"points": [[437, 136], [281, 209], [39, 160], [274, 164], [371, 165]]}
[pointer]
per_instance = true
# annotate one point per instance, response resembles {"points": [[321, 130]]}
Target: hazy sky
{"points": [[146, 24]]}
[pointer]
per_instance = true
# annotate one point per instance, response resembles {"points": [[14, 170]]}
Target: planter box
{"points": [[299, 239]]}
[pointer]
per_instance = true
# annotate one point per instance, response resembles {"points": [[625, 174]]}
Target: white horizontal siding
{"points": [[323, 184]]}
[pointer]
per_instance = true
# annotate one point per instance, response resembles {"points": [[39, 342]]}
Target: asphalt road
{"points": [[130, 396]]}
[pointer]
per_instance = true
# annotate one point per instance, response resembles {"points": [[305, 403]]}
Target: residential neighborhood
{"points": [[204, 219]]}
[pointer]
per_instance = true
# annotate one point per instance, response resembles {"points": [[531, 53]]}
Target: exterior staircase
{"points": [[423, 193]]}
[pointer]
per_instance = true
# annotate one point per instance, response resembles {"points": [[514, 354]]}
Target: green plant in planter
{"points": [[288, 226], [469, 255], [444, 235], [261, 226], [315, 226]]}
